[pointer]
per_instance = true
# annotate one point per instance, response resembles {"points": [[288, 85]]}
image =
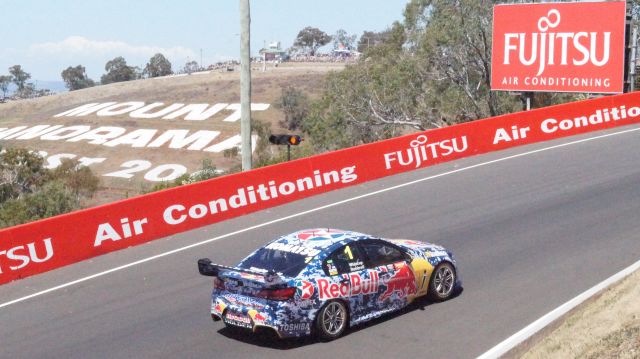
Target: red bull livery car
{"points": [[322, 281]]}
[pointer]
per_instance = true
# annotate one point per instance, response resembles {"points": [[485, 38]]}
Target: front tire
{"points": [[332, 320], [443, 281]]}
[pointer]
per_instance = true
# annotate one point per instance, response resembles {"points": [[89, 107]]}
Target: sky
{"points": [[45, 36]]}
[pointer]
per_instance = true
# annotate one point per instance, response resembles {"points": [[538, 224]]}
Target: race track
{"points": [[531, 228]]}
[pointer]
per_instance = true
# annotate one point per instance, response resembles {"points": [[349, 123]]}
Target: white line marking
{"points": [[300, 214], [548, 318]]}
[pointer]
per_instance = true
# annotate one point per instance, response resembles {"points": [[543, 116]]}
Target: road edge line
{"points": [[527, 332]]}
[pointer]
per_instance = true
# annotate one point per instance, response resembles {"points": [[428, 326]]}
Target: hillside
{"points": [[138, 133]]}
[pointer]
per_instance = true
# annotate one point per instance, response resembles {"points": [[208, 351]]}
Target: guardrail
{"points": [[47, 244]]}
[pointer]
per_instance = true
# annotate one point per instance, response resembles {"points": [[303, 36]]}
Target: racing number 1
{"points": [[347, 251]]}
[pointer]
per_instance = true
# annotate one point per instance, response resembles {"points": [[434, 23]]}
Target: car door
{"points": [[348, 278], [397, 284]]}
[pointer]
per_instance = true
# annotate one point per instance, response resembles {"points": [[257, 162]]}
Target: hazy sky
{"points": [[46, 36]]}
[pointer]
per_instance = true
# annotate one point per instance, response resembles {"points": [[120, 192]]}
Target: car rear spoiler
{"points": [[206, 267]]}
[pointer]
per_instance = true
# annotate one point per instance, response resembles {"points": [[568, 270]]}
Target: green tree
{"points": [[343, 41], [118, 71], [28, 191], [19, 76], [310, 39], [295, 105], [50, 200], [158, 65], [4, 84], [78, 179], [372, 38], [431, 70], [21, 172], [75, 78]]}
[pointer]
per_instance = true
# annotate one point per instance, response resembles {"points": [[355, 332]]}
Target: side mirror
{"points": [[205, 267]]}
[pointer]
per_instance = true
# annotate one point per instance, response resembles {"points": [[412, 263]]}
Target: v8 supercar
{"points": [[322, 281]]}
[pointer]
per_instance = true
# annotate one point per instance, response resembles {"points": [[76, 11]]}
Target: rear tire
{"points": [[442, 283], [332, 320]]}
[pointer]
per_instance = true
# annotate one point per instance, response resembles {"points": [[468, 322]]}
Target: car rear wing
{"points": [[206, 267]]}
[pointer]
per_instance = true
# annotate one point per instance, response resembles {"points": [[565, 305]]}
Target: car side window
{"points": [[380, 253], [345, 259]]}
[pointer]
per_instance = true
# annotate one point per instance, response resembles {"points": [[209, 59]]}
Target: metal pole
{"points": [[528, 102], [245, 85], [288, 153], [632, 62]]}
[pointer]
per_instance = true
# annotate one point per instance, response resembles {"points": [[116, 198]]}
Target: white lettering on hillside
{"points": [[138, 109], [112, 136]]}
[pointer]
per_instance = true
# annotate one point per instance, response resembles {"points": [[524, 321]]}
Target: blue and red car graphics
{"points": [[283, 285]]}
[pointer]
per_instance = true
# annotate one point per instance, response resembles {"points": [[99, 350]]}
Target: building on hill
{"points": [[273, 52]]}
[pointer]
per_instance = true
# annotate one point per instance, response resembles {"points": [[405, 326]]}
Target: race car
{"points": [[322, 281]]}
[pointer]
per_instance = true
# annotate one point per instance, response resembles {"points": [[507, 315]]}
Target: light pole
{"points": [[245, 85]]}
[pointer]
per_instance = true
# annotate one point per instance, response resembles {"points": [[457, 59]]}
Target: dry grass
{"points": [[606, 327], [211, 88]]}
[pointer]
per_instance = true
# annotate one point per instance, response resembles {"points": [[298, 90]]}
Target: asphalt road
{"points": [[529, 232]]}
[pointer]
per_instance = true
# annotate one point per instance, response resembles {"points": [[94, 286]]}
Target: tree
{"points": [[295, 105], [4, 84], [19, 76], [371, 38], [28, 191], [75, 78], [78, 179], [117, 71], [191, 66], [343, 41], [21, 172], [158, 65], [310, 39]]}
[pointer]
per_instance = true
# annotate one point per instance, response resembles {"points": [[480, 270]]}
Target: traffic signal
{"points": [[291, 140]]}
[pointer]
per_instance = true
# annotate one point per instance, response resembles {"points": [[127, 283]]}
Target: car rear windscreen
{"points": [[287, 263]]}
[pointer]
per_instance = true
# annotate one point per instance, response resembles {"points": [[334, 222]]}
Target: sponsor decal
{"points": [[401, 283], [19, 257], [320, 235], [355, 284], [304, 289], [238, 320], [292, 248], [294, 327], [127, 229], [260, 193], [218, 307], [420, 151], [244, 301], [257, 317], [598, 117], [251, 276], [575, 47], [356, 266]]}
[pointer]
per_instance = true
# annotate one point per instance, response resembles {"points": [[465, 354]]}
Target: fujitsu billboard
{"points": [[559, 47]]}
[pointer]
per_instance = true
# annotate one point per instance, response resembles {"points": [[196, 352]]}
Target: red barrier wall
{"points": [[44, 245]]}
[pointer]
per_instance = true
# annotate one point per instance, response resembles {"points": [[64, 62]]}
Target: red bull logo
{"points": [[402, 282], [355, 284]]}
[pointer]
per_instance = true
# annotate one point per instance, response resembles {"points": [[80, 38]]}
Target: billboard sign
{"points": [[559, 47]]}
